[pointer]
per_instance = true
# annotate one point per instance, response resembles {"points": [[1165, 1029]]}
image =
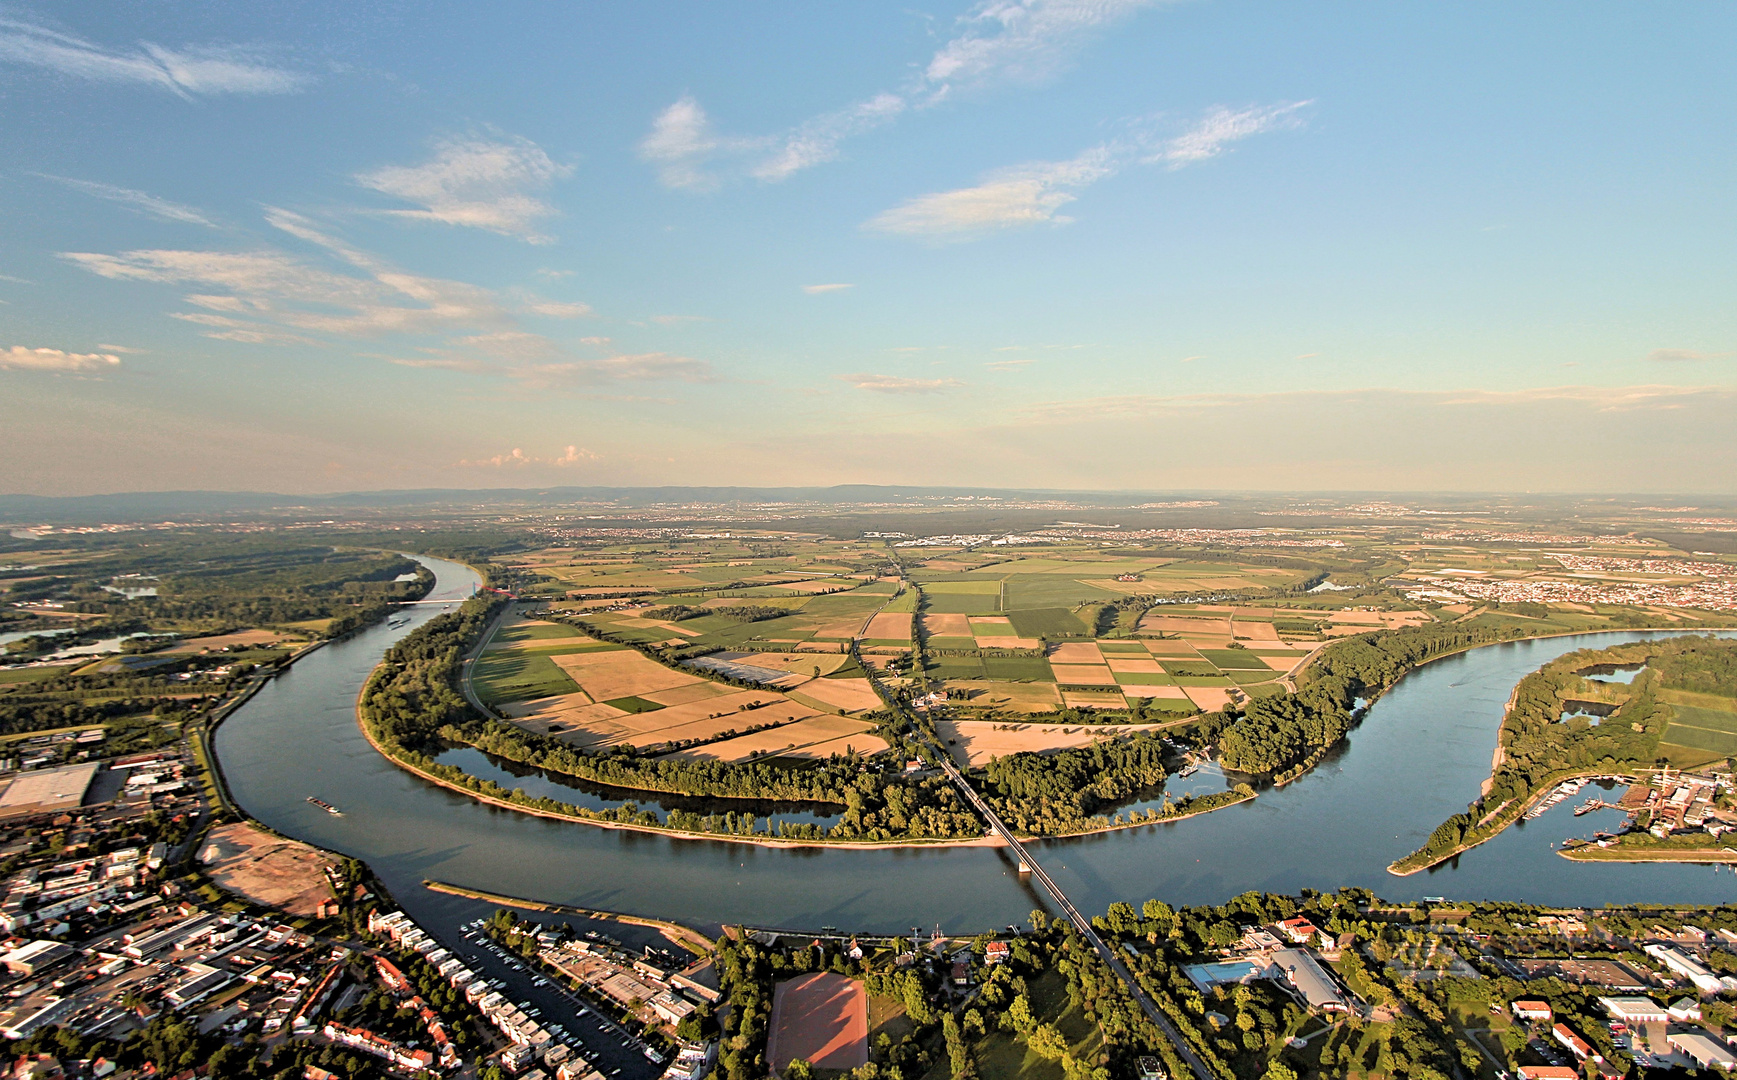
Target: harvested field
{"points": [[891, 625], [975, 743], [604, 725], [818, 736], [944, 625], [821, 1018], [1119, 664], [1257, 631], [1170, 648], [847, 695], [249, 638], [1208, 697], [284, 874], [1173, 693], [1076, 652], [1083, 674], [1074, 699], [1017, 696], [1179, 624], [682, 695], [984, 641], [625, 673], [1281, 663]]}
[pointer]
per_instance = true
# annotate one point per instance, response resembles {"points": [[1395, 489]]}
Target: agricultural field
{"points": [[553, 679], [1702, 727], [975, 743]]}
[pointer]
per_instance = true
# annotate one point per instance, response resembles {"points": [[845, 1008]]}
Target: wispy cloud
{"points": [[1681, 356], [1033, 193], [1008, 365], [557, 309], [1025, 40], [817, 141], [150, 205], [20, 358], [814, 290], [898, 384], [1027, 194], [1220, 127], [479, 183], [187, 71], [1021, 40]]}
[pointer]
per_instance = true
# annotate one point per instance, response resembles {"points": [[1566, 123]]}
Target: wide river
{"points": [[1416, 758]]}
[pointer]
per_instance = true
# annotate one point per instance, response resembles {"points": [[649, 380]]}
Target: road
{"points": [[464, 680]]}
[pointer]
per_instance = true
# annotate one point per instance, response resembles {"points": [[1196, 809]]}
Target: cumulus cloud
{"points": [[21, 358], [1220, 127], [1033, 193], [838, 286], [517, 458], [1027, 194], [898, 384], [476, 183], [188, 71], [149, 205]]}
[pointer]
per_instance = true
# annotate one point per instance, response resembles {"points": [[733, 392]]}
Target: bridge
{"points": [[1081, 923]]}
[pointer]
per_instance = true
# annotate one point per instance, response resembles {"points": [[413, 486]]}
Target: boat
{"points": [[1190, 769], [326, 806]]}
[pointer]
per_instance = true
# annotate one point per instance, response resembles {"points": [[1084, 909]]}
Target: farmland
{"points": [[550, 678]]}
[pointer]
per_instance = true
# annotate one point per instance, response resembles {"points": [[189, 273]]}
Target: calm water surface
{"points": [[1417, 757]]}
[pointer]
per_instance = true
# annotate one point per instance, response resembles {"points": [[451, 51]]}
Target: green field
{"points": [[952, 643], [962, 588], [513, 675], [956, 667], [1713, 730], [1016, 668], [1047, 622], [634, 704], [1044, 591], [964, 604], [1131, 648], [1235, 659]]}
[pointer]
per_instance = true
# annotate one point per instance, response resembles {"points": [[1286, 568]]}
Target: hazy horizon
{"points": [[1089, 245]]}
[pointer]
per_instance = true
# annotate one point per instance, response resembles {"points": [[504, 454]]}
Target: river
{"points": [[1418, 756]]}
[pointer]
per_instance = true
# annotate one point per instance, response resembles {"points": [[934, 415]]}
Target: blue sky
{"points": [[1065, 243]]}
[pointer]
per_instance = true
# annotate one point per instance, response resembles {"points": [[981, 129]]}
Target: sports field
{"points": [[819, 1018]]}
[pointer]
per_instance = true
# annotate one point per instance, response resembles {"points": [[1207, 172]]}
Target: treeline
{"points": [[1043, 795], [1285, 734]]}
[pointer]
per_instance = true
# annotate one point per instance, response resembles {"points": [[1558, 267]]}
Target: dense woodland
{"points": [[1046, 795], [1284, 734]]}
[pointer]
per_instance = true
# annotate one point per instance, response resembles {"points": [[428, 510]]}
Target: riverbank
{"points": [[1617, 853], [687, 937], [1507, 814]]}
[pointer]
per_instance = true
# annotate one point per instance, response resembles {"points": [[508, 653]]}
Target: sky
{"points": [[1091, 244]]}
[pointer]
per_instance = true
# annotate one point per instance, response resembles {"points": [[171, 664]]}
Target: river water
{"points": [[1418, 756]]}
